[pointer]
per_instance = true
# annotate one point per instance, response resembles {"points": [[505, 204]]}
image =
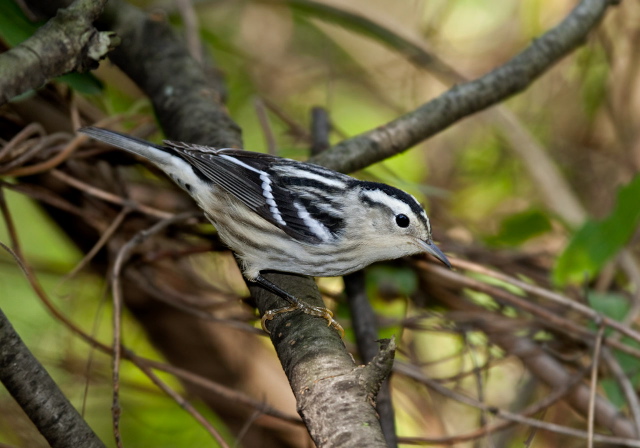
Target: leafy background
{"points": [[283, 59]]}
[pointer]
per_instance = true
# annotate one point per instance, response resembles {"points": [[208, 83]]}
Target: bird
{"points": [[279, 214]]}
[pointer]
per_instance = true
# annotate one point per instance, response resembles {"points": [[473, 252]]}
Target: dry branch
{"points": [[189, 108], [38, 395], [470, 97], [67, 43]]}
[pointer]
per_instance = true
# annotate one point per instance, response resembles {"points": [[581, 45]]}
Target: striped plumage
{"points": [[282, 215]]}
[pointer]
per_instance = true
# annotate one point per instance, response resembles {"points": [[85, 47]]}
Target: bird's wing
{"points": [[246, 175]]}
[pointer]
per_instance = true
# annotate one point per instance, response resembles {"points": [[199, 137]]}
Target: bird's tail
{"points": [[155, 153]]}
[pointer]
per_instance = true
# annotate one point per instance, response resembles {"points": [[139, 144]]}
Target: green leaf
{"points": [[14, 25], [613, 392], [518, 228], [82, 82], [383, 280], [596, 242], [614, 306]]}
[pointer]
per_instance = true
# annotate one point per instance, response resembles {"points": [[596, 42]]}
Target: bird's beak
{"points": [[433, 250]]}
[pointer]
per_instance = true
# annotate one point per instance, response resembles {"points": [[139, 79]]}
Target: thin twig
{"points": [[245, 429], [479, 383], [417, 375], [106, 235], [184, 404], [548, 295], [185, 375], [11, 228], [547, 317], [266, 127], [295, 128], [63, 155], [625, 384], [109, 197], [191, 28], [464, 99], [594, 383], [144, 283], [24, 134], [123, 255], [224, 392], [46, 196], [33, 148]]}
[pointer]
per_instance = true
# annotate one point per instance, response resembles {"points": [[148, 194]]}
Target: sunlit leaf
{"points": [[597, 242], [482, 299]]}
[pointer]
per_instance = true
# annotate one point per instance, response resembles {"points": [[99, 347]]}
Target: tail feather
{"points": [[155, 153]]}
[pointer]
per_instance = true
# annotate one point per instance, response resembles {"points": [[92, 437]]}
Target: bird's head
{"points": [[397, 225]]}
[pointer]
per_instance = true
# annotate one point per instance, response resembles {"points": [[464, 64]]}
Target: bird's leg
{"points": [[296, 304]]}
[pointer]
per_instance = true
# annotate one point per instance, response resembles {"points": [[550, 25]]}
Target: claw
{"points": [[307, 309], [296, 304]]}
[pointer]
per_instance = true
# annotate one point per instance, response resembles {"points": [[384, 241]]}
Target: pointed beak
{"points": [[433, 250]]}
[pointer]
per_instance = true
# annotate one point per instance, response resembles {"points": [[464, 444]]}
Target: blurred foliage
{"points": [[150, 418], [597, 241], [477, 191], [14, 25], [616, 306], [520, 227], [594, 79]]}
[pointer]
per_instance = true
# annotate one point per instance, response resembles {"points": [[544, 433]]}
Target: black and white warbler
{"points": [[278, 214]]}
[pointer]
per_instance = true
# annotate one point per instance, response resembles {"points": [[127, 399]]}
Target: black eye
{"points": [[402, 220]]}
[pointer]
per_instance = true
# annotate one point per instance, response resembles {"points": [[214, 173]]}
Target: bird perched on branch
{"points": [[278, 214]]}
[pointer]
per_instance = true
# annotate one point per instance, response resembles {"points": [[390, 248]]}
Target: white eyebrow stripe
{"points": [[396, 205], [266, 188], [314, 225]]}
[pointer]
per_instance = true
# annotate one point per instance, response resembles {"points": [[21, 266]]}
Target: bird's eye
{"points": [[402, 220]]}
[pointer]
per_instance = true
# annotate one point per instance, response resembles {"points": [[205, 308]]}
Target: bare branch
{"points": [[68, 42], [467, 98], [31, 386], [38, 395]]}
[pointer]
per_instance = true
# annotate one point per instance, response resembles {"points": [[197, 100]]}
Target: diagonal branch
{"points": [[38, 395], [467, 98], [30, 384], [67, 43], [189, 108]]}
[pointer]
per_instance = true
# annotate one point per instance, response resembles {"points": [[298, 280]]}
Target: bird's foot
{"points": [[307, 309]]}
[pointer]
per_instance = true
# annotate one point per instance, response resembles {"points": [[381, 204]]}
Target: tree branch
{"points": [[39, 396], [365, 329], [335, 400], [467, 98], [67, 43], [188, 106]]}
